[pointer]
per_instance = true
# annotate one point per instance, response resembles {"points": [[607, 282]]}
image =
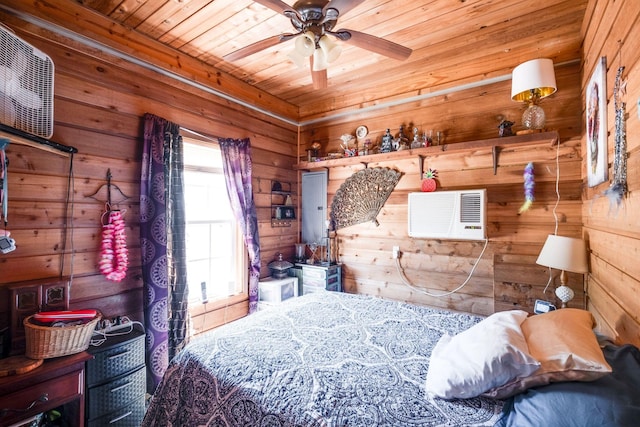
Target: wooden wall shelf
{"points": [[534, 138]]}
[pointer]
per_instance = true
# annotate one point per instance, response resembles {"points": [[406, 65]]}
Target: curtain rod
{"points": [[35, 141]]}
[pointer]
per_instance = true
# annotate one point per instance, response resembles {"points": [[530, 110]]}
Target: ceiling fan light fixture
{"points": [[305, 44], [314, 22], [319, 60], [330, 49], [296, 58]]}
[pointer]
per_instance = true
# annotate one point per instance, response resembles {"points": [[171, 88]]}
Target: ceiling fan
{"points": [[313, 20]]}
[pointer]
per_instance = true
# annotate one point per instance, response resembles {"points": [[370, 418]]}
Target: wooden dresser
{"points": [[57, 382]]}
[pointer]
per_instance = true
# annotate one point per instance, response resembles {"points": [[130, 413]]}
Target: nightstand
{"points": [[116, 380], [57, 382]]}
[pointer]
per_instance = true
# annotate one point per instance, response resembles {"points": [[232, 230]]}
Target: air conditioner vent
{"points": [[470, 207]]}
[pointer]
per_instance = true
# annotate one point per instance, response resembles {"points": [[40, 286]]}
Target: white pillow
{"points": [[487, 355]]}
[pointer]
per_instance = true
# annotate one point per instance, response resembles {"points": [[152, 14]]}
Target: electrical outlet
{"points": [[396, 252]]}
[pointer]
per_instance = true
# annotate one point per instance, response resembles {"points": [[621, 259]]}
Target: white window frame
{"points": [[196, 306]]}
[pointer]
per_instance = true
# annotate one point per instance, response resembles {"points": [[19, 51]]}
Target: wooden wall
{"points": [[612, 29], [100, 100], [507, 276]]}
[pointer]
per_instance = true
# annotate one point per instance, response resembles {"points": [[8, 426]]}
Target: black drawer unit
{"points": [[128, 416], [116, 380]]}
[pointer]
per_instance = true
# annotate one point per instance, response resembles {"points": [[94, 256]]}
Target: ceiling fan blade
{"points": [[257, 46], [373, 43], [276, 5], [342, 6], [319, 78]]}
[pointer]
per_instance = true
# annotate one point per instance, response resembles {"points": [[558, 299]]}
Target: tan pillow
{"points": [[564, 343]]}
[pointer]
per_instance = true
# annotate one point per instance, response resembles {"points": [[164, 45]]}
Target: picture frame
{"points": [[596, 122], [288, 212]]}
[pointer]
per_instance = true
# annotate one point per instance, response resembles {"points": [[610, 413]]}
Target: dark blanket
{"points": [[610, 401]]}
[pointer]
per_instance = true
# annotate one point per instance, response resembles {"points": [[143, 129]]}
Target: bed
{"points": [[323, 359], [336, 359]]}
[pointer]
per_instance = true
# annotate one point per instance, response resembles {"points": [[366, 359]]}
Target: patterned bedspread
{"points": [[323, 359]]}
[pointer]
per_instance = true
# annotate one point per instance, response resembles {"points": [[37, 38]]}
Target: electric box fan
{"points": [[26, 86]]}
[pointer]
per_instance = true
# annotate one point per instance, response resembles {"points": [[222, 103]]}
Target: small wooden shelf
{"points": [[534, 138], [282, 214]]}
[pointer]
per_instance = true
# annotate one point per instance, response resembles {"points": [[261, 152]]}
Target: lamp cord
{"points": [[406, 281], [555, 207]]}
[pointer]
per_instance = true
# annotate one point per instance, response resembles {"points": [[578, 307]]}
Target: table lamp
{"points": [[530, 82], [566, 254]]}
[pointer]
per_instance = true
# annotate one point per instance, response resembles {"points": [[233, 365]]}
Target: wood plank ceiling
{"points": [[454, 42]]}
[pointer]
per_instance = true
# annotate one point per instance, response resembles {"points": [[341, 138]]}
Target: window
{"points": [[216, 255]]}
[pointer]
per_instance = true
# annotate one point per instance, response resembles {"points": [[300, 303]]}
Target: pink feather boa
{"points": [[114, 257]]}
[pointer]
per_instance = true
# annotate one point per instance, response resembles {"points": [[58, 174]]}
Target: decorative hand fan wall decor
{"points": [[313, 21], [362, 195]]}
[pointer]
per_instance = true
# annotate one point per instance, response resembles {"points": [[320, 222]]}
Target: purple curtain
{"points": [[236, 161], [162, 243]]}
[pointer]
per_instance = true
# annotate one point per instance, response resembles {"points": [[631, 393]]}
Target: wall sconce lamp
{"points": [[566, 254], [530, 82]]}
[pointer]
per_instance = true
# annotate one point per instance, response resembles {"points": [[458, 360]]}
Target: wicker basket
{"points": [[45, 342]]}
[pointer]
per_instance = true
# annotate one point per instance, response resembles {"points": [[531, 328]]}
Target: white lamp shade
{"points": [[564, 253], [305, 44], [298, 59], [319, 60], [536, 75], [330, 49]]}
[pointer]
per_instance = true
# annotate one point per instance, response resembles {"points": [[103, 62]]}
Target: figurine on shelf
{"points": [[428, 138], [505, 128], [313, 153], [401, 142], [387, 142], [416, 143], [366, 149], [349, 145]]}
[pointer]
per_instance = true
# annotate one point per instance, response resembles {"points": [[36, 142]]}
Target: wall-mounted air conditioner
{"points": [[456, 215]]}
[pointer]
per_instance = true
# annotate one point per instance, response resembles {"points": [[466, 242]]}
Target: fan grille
{"points": [[26, 86]]}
